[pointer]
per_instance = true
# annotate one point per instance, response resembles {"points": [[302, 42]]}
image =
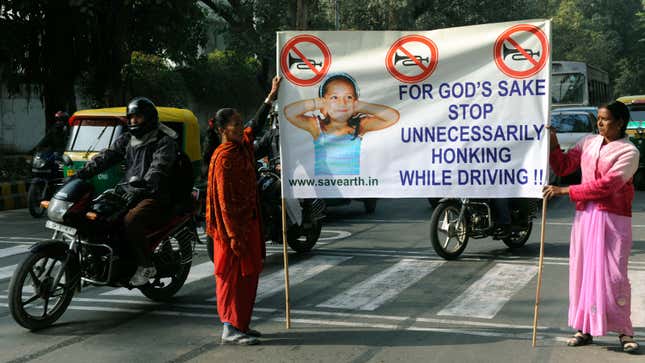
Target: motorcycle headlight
{"points": [[57, 209], [38, 163]]}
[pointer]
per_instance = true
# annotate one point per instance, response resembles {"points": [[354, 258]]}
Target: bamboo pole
{"points": [[540, 265], [286, 265]]}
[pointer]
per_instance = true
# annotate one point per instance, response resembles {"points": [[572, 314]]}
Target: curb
{"points": [[13, 195]]}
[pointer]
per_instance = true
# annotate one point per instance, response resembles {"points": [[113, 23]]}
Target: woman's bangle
{"points": [[267, 100]]}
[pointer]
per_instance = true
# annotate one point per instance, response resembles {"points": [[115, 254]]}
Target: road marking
{"points": [[486, 297], [382, 287], [15, 250], [298, 273], [637, 280], [7, 272], [198, 272]]}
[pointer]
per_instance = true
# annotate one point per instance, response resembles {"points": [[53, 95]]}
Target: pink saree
{"points": [[599, 290]]}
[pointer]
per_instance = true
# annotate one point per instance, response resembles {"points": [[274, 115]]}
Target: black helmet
{"points": [[144, 107]]}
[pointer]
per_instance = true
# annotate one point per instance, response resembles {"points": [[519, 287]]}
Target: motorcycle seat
{"points": [[168, 227]]}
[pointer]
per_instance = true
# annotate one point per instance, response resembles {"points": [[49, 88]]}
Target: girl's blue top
{"points": [[337, 154]]}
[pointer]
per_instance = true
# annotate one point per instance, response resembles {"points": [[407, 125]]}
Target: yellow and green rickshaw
{"points": [[96, 129]]}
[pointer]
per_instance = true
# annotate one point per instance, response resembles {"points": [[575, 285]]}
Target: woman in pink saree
{"points": [[601, 235]]}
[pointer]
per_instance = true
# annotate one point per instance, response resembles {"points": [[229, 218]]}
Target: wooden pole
{"points": [[540, 264], [286, 264]]}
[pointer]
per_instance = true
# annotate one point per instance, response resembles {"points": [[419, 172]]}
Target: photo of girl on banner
{"points": [[338, 126]]}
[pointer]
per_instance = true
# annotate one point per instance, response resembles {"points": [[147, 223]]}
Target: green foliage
{"points": [[225, 79], [152, 76], [60, 44], [606, 35]]}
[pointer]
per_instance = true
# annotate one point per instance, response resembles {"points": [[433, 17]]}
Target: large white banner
{"points": [[457, 112]]}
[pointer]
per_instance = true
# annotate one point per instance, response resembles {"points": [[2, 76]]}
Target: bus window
{"points": [[568, 88]]}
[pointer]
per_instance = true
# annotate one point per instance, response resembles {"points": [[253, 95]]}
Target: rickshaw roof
{"points": [[630, 99], [167, 114]]}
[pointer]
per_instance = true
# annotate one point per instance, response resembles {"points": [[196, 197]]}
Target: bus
{"points": [[578, 84]]}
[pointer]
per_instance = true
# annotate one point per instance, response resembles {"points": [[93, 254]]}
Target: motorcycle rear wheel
{"points": [[303, 240], [35, 195], [39, 270], [445, 228], [168, 289], [519, 235]]}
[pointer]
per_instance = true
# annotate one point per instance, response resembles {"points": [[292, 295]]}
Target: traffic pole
{"points": [[286, 265]]}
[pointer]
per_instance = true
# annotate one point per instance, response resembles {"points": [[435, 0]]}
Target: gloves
{"points": [[133, 197]]}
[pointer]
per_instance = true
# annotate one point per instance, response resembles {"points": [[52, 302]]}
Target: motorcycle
{"points": [[88, 248], [454, 221], [303, 216], [47, 175]]}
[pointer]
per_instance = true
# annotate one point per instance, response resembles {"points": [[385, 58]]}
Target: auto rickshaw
{"points": [[96, 129], [636, 132]]}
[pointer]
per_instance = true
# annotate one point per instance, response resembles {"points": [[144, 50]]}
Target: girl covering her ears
{"points": [[337, 135]]}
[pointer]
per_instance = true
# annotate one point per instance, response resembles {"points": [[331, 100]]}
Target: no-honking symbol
{"points": [[412, 58], [305, 60], [521, 51]]}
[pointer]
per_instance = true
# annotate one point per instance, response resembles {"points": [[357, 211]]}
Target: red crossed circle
{"points": [[318, 73], [537, 64], [426, 71]]}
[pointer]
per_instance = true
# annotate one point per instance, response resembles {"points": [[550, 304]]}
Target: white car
{"points": [[571, 126]]}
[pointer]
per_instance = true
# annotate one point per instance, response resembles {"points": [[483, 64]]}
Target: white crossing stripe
{"points": [[15, 250], [382, 287], [7, 272], [198, 272], [637, 280], [486, 297], [274, 282]]}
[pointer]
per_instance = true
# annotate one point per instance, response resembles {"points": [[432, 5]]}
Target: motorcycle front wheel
{"points": [[519, 235], [36, 194], [302, 240], [175, 253], [36, 299], [448, 233]]}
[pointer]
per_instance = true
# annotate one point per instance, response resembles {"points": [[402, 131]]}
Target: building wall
{"points": [[22, 122]]}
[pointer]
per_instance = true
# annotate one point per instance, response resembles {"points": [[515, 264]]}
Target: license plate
{"points": [[60, 228]]}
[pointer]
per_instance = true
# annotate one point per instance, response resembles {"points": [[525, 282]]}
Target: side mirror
{"points": [[67, 161]]}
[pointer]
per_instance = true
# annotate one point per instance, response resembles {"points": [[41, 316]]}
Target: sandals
{"points": [[628, 343], [579, 339]]}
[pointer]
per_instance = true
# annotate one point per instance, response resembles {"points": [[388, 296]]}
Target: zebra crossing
{"points": [[482, 297]]}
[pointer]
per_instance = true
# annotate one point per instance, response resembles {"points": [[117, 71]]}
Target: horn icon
{"points": [[516, 55], [300, 64], [407, 61]]}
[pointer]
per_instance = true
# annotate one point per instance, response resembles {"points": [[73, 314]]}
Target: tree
{"points": [[605, 35], [224, 79], [57, 44]]}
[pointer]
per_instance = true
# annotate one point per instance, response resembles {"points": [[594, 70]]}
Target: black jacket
{"points": [[150, 158], [269, 145]]}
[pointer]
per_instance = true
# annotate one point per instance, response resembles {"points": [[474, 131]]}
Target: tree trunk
{"points": [[301, 14], [60, 65]]}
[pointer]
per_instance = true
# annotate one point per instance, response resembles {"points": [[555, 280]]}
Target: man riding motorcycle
{"points": [[149, 149], [55, 139]]}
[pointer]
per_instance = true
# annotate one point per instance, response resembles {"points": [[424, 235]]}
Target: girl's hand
{"points": [[320, 104], [550, 191]]}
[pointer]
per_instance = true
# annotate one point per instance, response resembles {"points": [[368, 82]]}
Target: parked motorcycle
{"points": [[88, 248], [304, 217], [454, 221], [47, 175]]}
